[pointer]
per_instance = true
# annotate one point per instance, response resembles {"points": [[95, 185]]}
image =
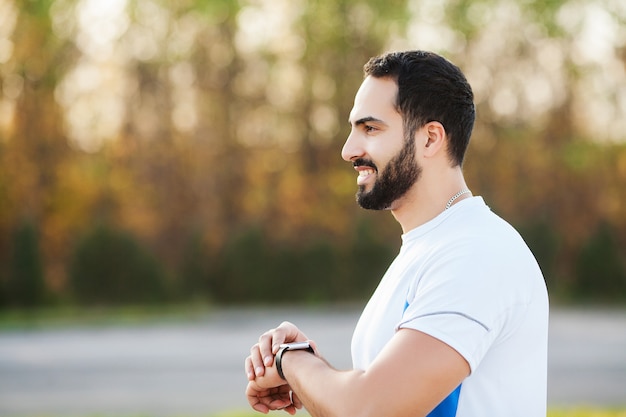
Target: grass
{"points": [[560, 412], [587, 412]]}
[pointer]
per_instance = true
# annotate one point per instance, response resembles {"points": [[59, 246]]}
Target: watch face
{"points": [[296, 345]]}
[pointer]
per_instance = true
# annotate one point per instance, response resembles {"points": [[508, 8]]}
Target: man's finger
{"points": [[266, 343], [249, 369], [256, 361]]}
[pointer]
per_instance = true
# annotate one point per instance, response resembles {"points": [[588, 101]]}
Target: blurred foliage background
{"points": [[158, 151]]}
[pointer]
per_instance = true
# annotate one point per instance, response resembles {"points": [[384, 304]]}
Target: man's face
{"points": [[383, 157]]}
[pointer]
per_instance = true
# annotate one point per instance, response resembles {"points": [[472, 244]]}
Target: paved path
{"points": [[197, 368]]}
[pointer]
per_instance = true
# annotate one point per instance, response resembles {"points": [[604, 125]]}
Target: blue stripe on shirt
{"points": [[447, 408]]}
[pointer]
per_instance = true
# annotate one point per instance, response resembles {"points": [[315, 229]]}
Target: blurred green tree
{"points": [[601, 267], [25, 286], [110, 267]]}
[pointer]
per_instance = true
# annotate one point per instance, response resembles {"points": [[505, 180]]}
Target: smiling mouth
{"points": [[365, 168], [366, 172]]}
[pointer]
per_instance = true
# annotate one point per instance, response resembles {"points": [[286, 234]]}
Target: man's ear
{"points": [[435, 140]]}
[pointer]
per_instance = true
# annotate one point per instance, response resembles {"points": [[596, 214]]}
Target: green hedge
{"points": [[111, 267], [23, 283]]}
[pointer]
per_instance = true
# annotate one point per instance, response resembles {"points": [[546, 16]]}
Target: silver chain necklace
{"points": [[454, 197]]}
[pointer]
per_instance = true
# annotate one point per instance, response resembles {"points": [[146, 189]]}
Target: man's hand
{"points": [[265, 400], [262, 353], [270, 378], [266, 390]]}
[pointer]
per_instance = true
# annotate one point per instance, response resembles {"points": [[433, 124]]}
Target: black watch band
{"points": [[289, 346]]}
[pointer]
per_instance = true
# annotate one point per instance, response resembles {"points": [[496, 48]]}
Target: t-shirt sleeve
{"points": [[457, 298]]}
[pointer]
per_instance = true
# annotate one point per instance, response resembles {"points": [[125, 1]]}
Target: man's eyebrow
{"points": [[368, 119]]}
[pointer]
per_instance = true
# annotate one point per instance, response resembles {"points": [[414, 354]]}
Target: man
{"points": [[458, 324]]}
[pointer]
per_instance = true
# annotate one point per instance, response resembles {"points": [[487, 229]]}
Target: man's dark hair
{"points": [[430, 88]]}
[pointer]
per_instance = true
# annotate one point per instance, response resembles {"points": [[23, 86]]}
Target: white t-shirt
{"points": [[468, 279]]}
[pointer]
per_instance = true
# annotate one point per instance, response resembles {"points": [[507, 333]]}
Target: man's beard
{"points": [[393, 182]]}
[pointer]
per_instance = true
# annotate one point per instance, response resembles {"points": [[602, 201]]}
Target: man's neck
{"points": [[428, 199]]}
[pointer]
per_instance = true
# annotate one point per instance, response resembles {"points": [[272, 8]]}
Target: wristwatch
{"points": [[290, 346]]}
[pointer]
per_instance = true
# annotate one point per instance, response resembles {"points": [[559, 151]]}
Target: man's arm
{"points": [[410, 377]]}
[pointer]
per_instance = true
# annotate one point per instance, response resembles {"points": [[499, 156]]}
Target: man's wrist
{"points": [[285, 347]]}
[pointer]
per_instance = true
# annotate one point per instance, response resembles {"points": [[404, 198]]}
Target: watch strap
{"points": [[284, 348]]}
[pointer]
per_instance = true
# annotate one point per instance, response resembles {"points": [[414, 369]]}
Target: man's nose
{"points": [[352, 149]]}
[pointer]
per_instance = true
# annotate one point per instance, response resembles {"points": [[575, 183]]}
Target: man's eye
{"points": [[369, 128]]}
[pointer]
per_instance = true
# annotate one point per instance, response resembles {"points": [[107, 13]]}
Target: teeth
{"points": [[365, 172]]}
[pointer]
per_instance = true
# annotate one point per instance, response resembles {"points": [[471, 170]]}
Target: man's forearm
{"points": [[397, 383], [324, 391]]}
